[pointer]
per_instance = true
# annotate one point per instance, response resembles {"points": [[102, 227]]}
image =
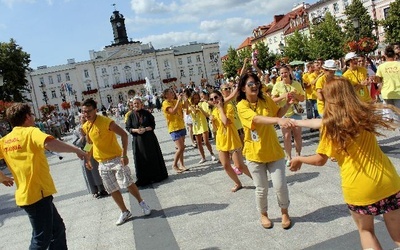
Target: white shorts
{"points": [[114, 175], [188, 120]]}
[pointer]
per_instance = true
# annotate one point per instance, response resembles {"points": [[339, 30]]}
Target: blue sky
{"points": [[52, 31]]}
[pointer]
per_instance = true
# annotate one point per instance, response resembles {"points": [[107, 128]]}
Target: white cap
{"points": [[350, 56]]}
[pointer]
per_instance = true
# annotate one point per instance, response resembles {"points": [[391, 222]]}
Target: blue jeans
{"points": [[312, 104], [47, 224]]}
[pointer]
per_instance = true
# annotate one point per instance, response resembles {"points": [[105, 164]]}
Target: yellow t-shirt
{"points": [[367, 173], [105, 144], [199, 121], [23, 151], [127, 115], [390, 72], [281, 88], [261, 142], [236, 120], [175, 121], [227, 137], [356, 77], [311, 91], [320, 85]]}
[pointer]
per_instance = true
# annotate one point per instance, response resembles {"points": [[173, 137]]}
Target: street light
{"points": [[356, 25], [43, 88], [1, 78]]}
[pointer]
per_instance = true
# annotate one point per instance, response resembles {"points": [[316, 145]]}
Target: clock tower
{"points": [[118, 25]]}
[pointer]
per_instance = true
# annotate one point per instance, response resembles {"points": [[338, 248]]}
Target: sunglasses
{"points": [[252, 84], [215, 98], [226, 89]]}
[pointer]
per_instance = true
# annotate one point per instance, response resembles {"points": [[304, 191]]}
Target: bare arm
{"points": [[309, 123], [316, 160], [7, 181], [58, 146]]}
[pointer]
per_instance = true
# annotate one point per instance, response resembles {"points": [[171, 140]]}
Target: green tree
{"points": [[357, 12], [14, 63], [392, 23], [327, 39], [265, 59], [297, 47], [231, 65]]}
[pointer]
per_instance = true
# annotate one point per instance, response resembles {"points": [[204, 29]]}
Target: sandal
{"points": [[96, 195], [177, 169], [236, 188]]}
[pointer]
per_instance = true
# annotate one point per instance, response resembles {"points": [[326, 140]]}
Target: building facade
{"points": [[122, 66]]}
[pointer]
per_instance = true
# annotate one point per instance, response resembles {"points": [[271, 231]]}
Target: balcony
{"points": [[173, 79], [89, 92], [128, 84]]}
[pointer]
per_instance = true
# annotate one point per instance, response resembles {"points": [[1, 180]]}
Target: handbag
{"points": [[309, 108], [297, 108]]}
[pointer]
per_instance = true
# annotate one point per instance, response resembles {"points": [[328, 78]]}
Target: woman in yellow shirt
{"points": [[200, 126], [370, 183], [258, 114], [173, 112], [289, 89], [227, 138]]}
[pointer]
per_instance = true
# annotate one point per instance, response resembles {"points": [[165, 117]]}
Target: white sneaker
{"points": [[213, 158], [123, 217], [202, 161], [145, 208]]}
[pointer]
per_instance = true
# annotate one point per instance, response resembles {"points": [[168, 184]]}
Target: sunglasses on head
{"points": [[226, 88], [252, 84]]}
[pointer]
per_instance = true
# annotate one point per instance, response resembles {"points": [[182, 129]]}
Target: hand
{"points": [[7, 181], [295, 164], [82, 154], [88, 164], [141, 131], [124, 161], [286, 123]]}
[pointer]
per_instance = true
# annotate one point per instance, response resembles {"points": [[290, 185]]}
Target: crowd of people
{"points": [[347, 105]]}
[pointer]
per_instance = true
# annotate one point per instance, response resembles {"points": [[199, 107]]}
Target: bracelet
{"points": [[124, 156]]}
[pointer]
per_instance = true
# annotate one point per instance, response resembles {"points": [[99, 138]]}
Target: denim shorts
{"points": [[380, 207], [114, 175], [178, 134]]}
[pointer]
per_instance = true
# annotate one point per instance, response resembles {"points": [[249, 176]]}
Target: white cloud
{"points": [[10, 3], [236, 25], [151, 6]]}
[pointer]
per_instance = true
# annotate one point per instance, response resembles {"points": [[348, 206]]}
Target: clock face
{"points": [[118, 24]]}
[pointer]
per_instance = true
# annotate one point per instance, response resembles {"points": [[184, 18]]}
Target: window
{"points": [[109, 99], [106, 84], [116, 79], [151, 75], [270, 41], [275, 40], [128, 76], [191, 72], [336, 8], [86, 73], [345, 3], [148, 62], [137, 64], [120, 97], [189, 59], [198, 58], [166, 63], [41, 79], [67, 78], [58, 78], [168, 74], [182, 73], [115, 69], [140, 75], [50, 80], [88, 86], [386, 12], [180, 61], [104, 71], [53, 94], [199, 70]]}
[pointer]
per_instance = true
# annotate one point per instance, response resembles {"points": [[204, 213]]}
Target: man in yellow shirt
{"points": [[357, 76], [309, 80], [23, 150], [113, 161]]}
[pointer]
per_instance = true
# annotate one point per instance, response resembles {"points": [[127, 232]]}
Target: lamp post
{"points": [[43, 88], [1, 78], [356, 25]]}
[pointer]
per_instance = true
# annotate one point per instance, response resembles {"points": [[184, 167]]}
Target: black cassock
{"points": [[149, 161]]}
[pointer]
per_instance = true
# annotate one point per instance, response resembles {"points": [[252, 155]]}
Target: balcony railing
{"points": [[173, 79], [127, 84], [89, 92]]}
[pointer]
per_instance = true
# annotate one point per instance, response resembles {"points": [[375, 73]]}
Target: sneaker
{"points": [[145, 208], [123, 217], [213, 158], [202, 161]]}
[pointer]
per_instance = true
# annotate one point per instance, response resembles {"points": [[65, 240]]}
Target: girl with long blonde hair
{"points": [[370, 182]]}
